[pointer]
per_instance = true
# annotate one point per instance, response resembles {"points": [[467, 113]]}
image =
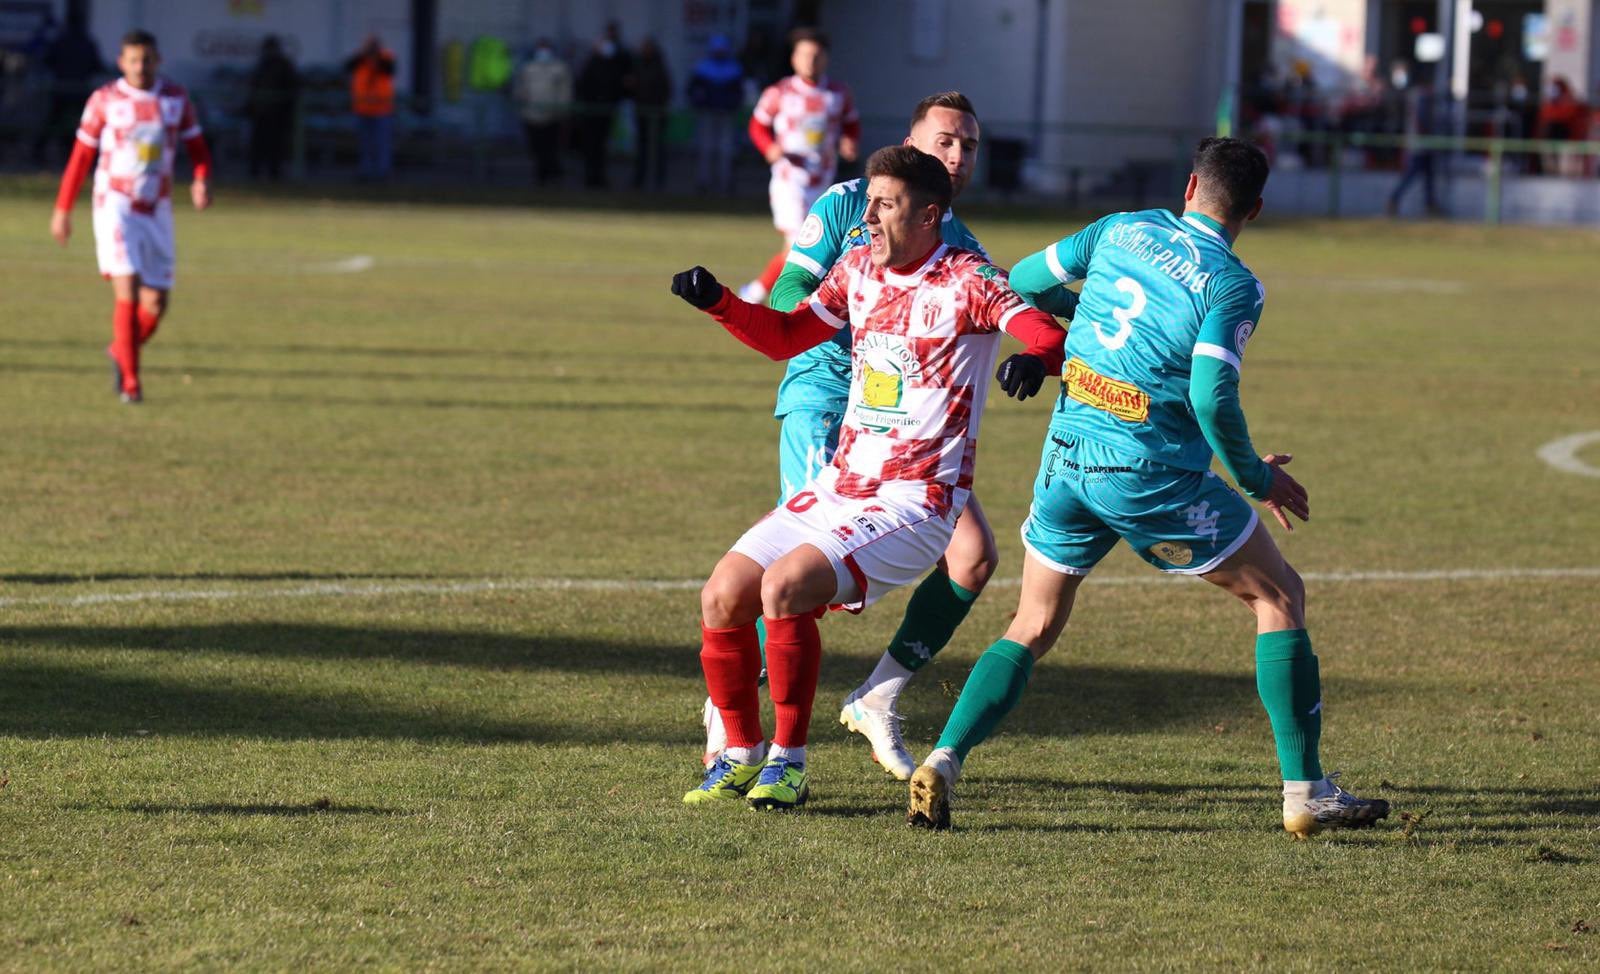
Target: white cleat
{"points": [[1306, 816], [716, 734], [755, 292], [881, 728]]}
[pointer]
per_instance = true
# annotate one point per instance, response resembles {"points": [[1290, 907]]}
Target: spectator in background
{"points": [[371, 73], [1563, 118], [716, 90], [543, 94], [71, 61], [605, 80], [1422, 120], [274, 92], [652, 91], [763, 62]]}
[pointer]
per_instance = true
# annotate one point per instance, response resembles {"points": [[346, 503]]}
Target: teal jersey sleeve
{"points": [[1042, 278], [1214, 381], [793, 286], [826, 230]]}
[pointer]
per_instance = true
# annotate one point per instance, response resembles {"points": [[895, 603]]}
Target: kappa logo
{"points": [[1202, 520], [810, 232]]}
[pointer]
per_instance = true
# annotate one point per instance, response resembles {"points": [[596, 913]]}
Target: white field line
{"points": [[356, 589], [347, 265], [1563, 454]]}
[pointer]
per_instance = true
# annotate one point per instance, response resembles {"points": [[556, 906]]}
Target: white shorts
{"points": [[791, 201], [129, 242], [875, 544]]}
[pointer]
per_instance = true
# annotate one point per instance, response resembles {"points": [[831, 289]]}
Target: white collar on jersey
{"points": [[1201, 226], [132, 92], [905, 280]]}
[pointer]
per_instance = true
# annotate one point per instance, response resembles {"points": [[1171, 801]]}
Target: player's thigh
{"points": [[971, 557], [1184, 522], [806, 441], [1044, 605], [156, 253], [1062, 531], [111, 244], [790, 203], [807, 518], [801, 581], [1260, 577]]}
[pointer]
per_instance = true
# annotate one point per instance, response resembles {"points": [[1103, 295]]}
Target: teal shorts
{"points": [[805, 446], [1088, 495]]}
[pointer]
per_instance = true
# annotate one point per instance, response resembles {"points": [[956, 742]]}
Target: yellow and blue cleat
{"points": [[782, 784], [724, 780]]}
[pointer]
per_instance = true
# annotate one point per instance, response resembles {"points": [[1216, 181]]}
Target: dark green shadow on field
{"points": [[43, 692]]}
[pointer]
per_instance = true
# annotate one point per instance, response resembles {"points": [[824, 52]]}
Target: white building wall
{"points": [[1109, 67]]}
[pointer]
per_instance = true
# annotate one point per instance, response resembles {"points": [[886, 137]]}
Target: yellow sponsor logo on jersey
{"points": [[880, 390], [148, 152], [1121, 399]]}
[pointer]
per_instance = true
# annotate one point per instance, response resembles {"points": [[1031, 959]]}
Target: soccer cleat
{"points": [[724, 780], [881, 728], [1304, 817], [930, 800], [716, 734], [132, 398], [754, 292], [782, 784], [116, 374]]}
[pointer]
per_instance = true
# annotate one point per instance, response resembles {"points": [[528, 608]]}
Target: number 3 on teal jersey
{"points": [[1124, 316]]}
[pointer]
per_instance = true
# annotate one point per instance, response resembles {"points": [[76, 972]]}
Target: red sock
{"points": [[731, 659], [125, 344], [147, 324], [794, 655], [769, 276]]}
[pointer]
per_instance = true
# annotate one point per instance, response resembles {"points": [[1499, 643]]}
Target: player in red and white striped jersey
{"points": [[925, 322], [135, 125], [802, 126]]}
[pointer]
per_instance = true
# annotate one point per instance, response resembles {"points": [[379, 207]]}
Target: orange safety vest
{"points": [[372, 91]]}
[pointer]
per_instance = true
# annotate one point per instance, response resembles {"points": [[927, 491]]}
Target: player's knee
{"points": [[783, 594], [724, 602], [971, 567]]}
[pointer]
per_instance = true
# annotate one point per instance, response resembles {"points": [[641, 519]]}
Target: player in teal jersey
{"points": [[811, 404], [1149, 393]]}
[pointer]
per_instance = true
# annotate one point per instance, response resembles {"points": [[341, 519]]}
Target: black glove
{"points": [[697, 287], [1021, 376]]}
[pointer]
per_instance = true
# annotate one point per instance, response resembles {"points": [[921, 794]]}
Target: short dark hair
{"points": [[944, 99], [1232, 174], [140, 38], [924, 176], [811, 34]]}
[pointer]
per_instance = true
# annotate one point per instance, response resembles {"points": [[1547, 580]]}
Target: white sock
{"points": [[747, 755], [794, 755], [1303, 790], [944, 761], [884, 686]]}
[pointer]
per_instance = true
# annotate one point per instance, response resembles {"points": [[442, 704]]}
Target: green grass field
{"points": [[335, 652]]}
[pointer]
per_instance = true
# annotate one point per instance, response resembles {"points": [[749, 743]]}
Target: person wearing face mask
{"points": [[606, 79], [543, 93]]}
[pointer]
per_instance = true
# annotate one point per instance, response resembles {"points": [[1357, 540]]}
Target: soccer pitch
{"points": [[370, 638]]}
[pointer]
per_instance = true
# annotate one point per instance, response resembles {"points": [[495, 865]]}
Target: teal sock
{"points": [[1291, 689], [761, 643], [935, 610], [994, 687]]}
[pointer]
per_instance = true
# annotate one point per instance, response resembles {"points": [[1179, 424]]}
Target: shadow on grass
{"points": [[269, 809]]}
